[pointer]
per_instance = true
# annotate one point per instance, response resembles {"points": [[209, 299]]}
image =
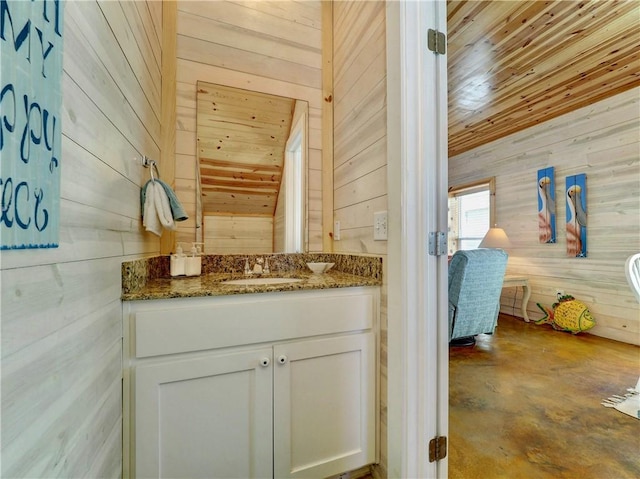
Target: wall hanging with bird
{"points": [[546, 205], [576, 196]]}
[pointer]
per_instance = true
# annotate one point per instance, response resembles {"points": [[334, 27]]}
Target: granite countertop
{"points": [[149, 278]]}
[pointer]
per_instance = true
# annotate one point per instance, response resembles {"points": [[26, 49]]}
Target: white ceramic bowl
{"points": [[319, 268]]}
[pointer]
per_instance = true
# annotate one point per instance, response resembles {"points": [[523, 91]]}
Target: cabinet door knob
{"points": [[264, 362], [282, 359]]}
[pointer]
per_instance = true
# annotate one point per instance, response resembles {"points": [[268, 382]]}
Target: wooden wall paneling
{"points": [[364, 116], [361, 87], [369, 159], [40, 452], [148, 46], [72, 347], [364, 64], [245, 16], [59, 288], [185, 117], [144, 24], [212, 31], [256, 37], [190, 72], [167, 62], [356, 43], [200, 51], [60, 308], [327, 128], [315, 163], [360, 152], [238, 234], [187, 165], [95, 44], [347, 141], [88, 71], [87, 126], [303, 12], [319, 214], [600, 140], [186, 161], [149, 80], [186, 142], [316, 210], [108, 461], [186, 97], [155, 10], [367, 187], [89, 182]]}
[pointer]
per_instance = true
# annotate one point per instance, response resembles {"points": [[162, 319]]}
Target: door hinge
{"points": [[436, 41], [437, 448], [437, 243]]}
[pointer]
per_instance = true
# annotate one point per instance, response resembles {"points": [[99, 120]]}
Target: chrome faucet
{"points": [[258, 267]]}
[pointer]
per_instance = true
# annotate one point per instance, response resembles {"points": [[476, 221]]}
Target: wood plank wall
{"points": [[272, 47], [238, 234], [602, 141], [60, 309], [360, 147]]}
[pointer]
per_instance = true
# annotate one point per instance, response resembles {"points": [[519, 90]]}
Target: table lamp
{"points": [[495, 238]]}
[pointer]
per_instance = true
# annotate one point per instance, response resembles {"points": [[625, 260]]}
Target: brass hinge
{"points": [[437, 448], [436, 41], [437, 243]]}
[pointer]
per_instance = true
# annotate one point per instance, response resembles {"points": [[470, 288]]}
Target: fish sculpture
{"points": [[568, 314]]}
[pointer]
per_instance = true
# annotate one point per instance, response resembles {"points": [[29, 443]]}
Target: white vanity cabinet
{"points": [[251, 386]]}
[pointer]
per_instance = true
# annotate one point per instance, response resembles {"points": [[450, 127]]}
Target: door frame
{"points": [[417, 187]]}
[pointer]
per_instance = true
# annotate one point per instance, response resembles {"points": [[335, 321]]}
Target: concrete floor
{"points": [[525, 403]]}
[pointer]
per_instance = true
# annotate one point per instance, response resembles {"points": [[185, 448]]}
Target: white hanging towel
{"points": [[157, 210]]}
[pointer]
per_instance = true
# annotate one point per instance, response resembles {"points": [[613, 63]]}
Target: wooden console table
{"points": [[515, 281]]}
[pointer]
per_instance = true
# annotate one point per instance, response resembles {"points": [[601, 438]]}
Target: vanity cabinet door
{"points": [[324, 406], [205, 417]]}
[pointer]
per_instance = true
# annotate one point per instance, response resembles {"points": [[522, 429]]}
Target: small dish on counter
{"points": [[319, 268]]}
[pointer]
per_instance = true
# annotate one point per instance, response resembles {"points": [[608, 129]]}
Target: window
{"points": [[470, 214]]}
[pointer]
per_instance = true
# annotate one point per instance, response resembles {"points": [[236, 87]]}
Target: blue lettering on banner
{"points": [[30, 130]]}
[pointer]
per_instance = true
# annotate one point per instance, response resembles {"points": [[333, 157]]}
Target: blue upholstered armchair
{"points": [[475, 283]]}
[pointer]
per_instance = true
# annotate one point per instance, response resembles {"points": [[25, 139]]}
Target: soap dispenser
{"points": [[193, 266], [177, 262]]}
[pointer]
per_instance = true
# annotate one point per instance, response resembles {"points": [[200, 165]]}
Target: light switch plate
{"points": [[380, 226], [336, 231]]}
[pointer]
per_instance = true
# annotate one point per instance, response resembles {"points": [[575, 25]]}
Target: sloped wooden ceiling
{"points": [[514, 64], [241, 144]]}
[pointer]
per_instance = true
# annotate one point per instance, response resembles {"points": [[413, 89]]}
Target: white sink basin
{"points": [[259, 281]]}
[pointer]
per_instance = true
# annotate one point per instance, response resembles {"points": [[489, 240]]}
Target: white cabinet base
{"points": [[324, 406], [204, 418], [273, 385]]}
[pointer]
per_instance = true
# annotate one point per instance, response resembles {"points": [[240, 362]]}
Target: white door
{"points": [[206, 417], [417, 282], [324, 406]]}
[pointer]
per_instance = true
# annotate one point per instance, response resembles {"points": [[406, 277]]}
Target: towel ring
{"points": [[151, 164]]}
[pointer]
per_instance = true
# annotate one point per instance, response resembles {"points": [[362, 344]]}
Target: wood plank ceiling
{"points": [[514, 64], [241, 144]]}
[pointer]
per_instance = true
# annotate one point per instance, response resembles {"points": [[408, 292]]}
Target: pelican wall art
{"points": [[546, 206], [576, 194]]}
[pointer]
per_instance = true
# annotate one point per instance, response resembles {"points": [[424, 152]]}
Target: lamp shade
{"points": [[495, 238]]}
